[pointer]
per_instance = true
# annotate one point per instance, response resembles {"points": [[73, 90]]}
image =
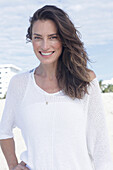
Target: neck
{"points": [[47, 71]]}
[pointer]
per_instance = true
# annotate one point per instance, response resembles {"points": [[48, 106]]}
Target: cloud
{"points": [[93, 18]]}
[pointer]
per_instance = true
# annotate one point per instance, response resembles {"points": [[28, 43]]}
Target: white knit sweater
{"points": [[60, 133]]}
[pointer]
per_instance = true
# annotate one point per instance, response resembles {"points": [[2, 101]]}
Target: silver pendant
{"points": [[46, 102]]}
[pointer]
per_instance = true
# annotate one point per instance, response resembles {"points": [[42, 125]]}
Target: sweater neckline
{"points": [[46, 93], [39, 88]]}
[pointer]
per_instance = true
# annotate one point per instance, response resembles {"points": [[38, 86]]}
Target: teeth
{"points": [[46, 53]]}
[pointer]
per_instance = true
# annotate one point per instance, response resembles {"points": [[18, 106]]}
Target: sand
{"points": [[20, 146]]}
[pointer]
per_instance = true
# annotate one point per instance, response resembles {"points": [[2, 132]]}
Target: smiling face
{"points": [[46, 42]]}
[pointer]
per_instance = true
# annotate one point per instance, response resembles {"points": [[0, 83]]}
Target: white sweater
{"points": [[60, 133]]}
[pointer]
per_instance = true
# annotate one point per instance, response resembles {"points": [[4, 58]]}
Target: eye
{"points": [[54, 37], [38, 38]]}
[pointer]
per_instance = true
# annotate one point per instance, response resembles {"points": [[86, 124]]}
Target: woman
{"points": [[57, 105]]}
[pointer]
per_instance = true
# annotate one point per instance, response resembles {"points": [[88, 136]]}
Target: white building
{"points": [[7, 71]]}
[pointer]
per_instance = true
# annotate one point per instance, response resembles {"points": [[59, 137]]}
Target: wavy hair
{"points": [[72, 72]]}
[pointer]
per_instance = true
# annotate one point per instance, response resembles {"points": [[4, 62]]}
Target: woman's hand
{"points": [[21, 166]]}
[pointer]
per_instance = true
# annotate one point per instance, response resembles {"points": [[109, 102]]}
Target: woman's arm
{"points": [[14, 96], [8, 148], [97, 135]]}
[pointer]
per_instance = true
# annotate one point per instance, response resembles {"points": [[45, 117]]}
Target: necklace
{"points": [[46, 102], [45, 99]]}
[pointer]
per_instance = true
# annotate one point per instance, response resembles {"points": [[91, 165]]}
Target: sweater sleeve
{"points": [[97, 135], [8, 121]]}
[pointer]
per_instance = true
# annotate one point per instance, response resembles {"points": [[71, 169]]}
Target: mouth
{"points": [[46, 53]]}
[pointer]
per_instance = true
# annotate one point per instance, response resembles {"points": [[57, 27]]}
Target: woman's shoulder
{"points": [[92, 75], [20, 78], [19, 82], [93, 87]]}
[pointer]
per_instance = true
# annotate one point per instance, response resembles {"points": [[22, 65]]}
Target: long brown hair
{"points": [[72, 72]]}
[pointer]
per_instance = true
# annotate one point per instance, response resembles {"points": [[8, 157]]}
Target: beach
{"points": [[20, 146]]}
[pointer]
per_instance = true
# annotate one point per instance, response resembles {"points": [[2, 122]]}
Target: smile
{"points": [[46, 54]]}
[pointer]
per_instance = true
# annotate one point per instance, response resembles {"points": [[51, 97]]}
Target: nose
{"points": [[45, 45]]}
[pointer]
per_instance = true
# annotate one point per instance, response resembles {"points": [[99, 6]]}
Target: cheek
{"points": [[57, 45], [36, 45]]}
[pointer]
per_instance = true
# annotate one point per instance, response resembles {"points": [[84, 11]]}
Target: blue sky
{"points": [[94, 20]]}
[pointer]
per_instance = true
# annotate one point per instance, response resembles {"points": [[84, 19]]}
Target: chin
{"points": [[48, 61]]}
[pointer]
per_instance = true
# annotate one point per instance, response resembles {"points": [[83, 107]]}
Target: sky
{"points": [[92, 18]]}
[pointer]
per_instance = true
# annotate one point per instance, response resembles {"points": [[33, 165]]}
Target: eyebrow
{"points": [[48, 35]]}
